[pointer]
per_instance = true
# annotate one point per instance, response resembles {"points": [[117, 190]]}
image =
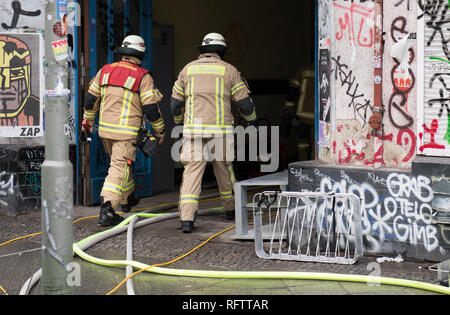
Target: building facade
{"points": [[382, 120]]}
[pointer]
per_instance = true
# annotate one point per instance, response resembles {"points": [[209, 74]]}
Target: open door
{"points": [[96, 161]]}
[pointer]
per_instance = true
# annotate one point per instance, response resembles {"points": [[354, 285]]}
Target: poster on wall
{"points": [[324, 96], [21, 85]]}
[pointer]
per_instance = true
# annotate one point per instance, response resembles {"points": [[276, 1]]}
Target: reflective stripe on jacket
{"points": [[123, 88]]}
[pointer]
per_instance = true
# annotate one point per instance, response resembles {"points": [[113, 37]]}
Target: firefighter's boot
{"points": [[107, 215]]}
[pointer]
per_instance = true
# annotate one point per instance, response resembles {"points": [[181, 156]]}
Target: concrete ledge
{"points": [[398, 206]]}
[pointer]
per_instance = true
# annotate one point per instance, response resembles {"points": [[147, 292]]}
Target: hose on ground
{"points": [[96, 238], [80, 247], [266, 274]]}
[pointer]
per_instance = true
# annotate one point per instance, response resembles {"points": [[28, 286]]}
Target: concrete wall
{"points": [[349, 35], [398, 215], [404, 189]]}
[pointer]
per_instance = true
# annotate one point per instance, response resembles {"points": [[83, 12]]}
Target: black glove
{"points": [[150, 148], [146, 142]]}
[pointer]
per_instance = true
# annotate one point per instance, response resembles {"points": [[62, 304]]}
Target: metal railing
{"points": [[310, 227]]}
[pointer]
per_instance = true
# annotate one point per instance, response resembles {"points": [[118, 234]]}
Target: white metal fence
{"points": [[311, 227]]}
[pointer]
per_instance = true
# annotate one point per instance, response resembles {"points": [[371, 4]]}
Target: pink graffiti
{"points": [[405, 137], [354, 14], [407, 134], [432, 130], [378, 157]]}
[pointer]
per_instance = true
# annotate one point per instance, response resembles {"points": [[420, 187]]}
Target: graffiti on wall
{"points": [[21, 14], [344, 77], [325, 100], [354, 63], [351, 66], [434, 135], [21, 85], [6, 187], [399, 94], [18, 16], [355, 23], [402, 77], [395, 217], [396, 206]]}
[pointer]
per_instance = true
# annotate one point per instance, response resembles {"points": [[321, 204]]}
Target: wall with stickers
{"points": [[384, 121], [383, 100], [22, 84]]}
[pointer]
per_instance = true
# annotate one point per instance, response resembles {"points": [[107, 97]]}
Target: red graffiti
{"points": [[404, 137], [409, 135], [350, 147], [356, 13], [402, 80], [347, 159], [432, 130], [377, 157]]}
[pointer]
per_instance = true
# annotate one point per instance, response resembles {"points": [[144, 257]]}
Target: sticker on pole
{"points": [[60, 49]]}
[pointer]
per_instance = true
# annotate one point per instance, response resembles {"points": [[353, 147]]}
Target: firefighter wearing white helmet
{"points": [[122, 92], [132, 45], [201, 100]]}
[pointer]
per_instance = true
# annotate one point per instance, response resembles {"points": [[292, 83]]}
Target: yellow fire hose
{"points": [[80, 247]]}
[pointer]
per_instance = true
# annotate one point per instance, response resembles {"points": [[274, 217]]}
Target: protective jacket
{"points": [[207, 87], [301, 94], [124, 88]]}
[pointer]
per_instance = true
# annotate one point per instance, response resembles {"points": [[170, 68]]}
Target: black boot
{"points": [[107, 215], [187, 226], [131, 202]]}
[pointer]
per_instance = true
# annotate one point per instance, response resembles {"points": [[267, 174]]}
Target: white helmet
{"points": [[213, 42], [132, 45], [214, 39]]}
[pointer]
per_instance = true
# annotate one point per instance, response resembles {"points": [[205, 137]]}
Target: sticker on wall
{"points": [[21, 78], [60, 28], [60, 49]]}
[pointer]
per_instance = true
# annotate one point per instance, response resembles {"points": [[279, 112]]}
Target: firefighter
{"points": [[201, 101], [299, 111], [122, 93]]}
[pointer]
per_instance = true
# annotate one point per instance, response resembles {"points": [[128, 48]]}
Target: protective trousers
{"points": [[195, 154], [119, 183]]}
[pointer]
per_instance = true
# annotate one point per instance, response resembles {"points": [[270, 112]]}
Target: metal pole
{"points": [[57, 170]]}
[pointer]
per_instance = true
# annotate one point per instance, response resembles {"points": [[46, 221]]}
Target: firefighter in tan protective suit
{"points": [[201, 100], [122, 92], [299, 111]]}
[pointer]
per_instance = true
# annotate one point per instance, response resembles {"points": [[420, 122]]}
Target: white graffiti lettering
{"points": [[403, 215], [402, 185], [6, 185]]}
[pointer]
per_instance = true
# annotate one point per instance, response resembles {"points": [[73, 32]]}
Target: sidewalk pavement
{"points": [[163, 241]]}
